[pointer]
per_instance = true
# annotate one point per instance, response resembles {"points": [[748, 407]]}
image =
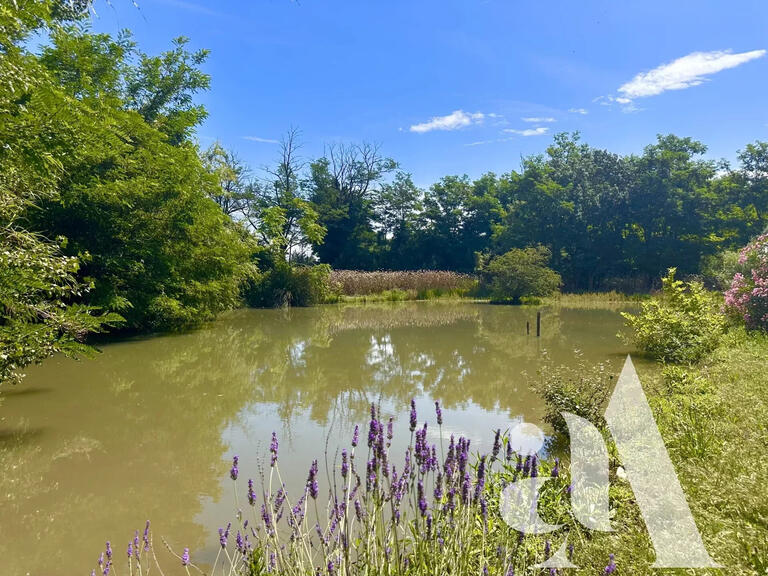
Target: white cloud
{"points": [[453, 121], [480, 142], [582, 111], [690, 70], [537, 131], [259, 139], [537, 120]]}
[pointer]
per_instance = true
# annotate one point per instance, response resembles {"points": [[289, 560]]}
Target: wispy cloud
{"points": [[582, 111], [682, 73], [453, 121], [537, 119], [259, 139], [480, 142], [537, 131]]}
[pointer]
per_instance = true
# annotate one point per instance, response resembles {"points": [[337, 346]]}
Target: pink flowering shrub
{"points": [[747, 297]]}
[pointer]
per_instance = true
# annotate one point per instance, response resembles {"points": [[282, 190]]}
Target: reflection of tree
{"points": [[157, 407]]}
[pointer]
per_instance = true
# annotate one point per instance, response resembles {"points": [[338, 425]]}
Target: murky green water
{"points": [[92, 449]]}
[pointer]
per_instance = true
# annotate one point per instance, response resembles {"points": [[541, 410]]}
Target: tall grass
{"points": [[433, 512], [416, 284]]}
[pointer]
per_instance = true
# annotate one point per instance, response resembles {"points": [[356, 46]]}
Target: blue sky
{"points": [[470, 86]]}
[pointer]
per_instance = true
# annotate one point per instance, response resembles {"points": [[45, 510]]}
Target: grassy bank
{"points": [[714, 421]]}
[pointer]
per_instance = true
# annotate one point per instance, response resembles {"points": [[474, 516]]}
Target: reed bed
{"points": [[419, 282], [434, 512]]}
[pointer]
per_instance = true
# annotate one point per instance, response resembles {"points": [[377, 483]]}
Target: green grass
{"points": [[594, 299], [398, 295], [714, 421]]}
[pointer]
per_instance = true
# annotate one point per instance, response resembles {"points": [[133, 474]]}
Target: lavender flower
{"points": [[556, 469], [109, 550], [355, 436], [273, 450], [496, 445], [413, 420], [146, 536], [234, 472], [312, 480], [439, 413], [611, 568], [185, 557], [344, 464], [422, 500], [130, 549], [251, 493]]}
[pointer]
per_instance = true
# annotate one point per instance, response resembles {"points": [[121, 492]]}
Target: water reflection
{"points": [[90, 450]]}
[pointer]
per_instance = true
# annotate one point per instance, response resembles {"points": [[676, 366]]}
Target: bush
{"points": [[747, 297], [679, 325], [518, 273], [286, 285], [718, 270], [583, 391]]}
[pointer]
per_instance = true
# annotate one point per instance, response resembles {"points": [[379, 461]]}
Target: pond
{"points": [[147, 429]]}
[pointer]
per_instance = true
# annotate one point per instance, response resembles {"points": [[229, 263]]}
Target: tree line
{"points": [[112, 215]]}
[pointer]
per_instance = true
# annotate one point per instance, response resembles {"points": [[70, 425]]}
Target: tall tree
{"points": [[342, 187]]}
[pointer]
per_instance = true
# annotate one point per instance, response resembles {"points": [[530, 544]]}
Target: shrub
{"points": [[518, 273], [747, 297], [719, 269], [679, 325], [583, 391], [286, 285]]}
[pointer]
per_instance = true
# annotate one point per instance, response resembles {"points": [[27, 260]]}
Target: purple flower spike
{"points": [[439, 413], [129, 552], [251, 493], [611, 568], [234, 471], [312, 480], [185, 557], [496, 444], [413, 420], [344, 464], [355, 436], [273, 450], [109, 551], [146, 536]]}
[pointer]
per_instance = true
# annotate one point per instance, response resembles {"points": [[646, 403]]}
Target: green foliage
{"points": [[286, 285], [104, 130], [517, 274], [718, 270], [680, 325], [41, 291], [582, 390]]}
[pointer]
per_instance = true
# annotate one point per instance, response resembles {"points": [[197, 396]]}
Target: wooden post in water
{"points": [[538, 324], [528, 327]]}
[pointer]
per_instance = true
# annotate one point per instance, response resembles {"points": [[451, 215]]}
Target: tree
{"points": [[232, 192], [133, 192], [517, 274], [39, 286], [276, 210], [396, 206], [342, 187]]}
